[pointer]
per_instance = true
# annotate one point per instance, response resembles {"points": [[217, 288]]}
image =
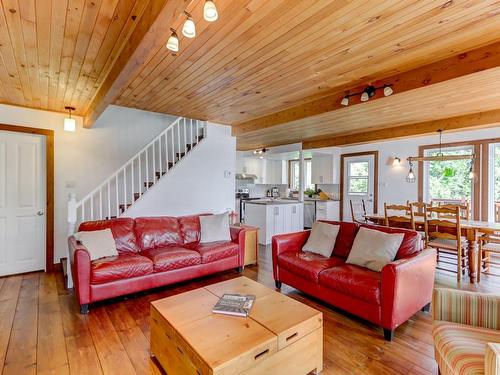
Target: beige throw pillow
{"points": [[99, 243], [214, 228], [374, 249], [322, 238]]}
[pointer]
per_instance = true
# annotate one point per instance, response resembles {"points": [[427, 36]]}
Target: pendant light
{"points": [[173, 42], [410, 178], [189, 28], [210, 11], [69, 123]]}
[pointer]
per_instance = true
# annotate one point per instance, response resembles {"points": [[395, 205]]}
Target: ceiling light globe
{"points": [[388, 91], [210, 11], [345, 101], [189, 28], [69, 124], [173, 43], [365, 97]]}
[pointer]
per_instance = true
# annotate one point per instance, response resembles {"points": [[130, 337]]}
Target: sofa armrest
{"points": [[287, 242], [407, 287], [492, 359], [470, 308], [79, 258], [238, 236]]}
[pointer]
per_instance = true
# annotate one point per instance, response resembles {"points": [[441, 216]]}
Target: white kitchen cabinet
{"points": [[325, 168], [275, 172], [254, 166], [328, 210], [273, 219]]}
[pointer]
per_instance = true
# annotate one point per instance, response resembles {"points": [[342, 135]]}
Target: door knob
{"points": [[40, 213]]}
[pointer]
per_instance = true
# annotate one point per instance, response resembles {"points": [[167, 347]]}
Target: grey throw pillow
{"points": [[322, 238], [214, 228], [374, 249], [99, 243]]}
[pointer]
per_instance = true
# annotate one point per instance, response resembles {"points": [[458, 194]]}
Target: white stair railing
{"points": [[137, 176]]}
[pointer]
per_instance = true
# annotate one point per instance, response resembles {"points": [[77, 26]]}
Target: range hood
{"points": [[246, 176]]}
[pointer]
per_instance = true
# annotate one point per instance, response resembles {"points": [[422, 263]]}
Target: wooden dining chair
{"points": [[396, 215], [445, 235], [489, 249], [418, 207], [464, 210], [358, 211]]}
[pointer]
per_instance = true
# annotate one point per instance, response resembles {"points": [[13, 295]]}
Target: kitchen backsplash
{"points": [[333, 190], [259, 190]]}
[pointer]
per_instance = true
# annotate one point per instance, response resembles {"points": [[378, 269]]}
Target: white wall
{"points": [[84, 158], [392, 184], [202, 182]]}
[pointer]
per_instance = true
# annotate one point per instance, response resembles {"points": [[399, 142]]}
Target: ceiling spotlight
{"points": [[173, 42], [388, 90], [210, 11], [69, 123], [260, 152], [345, 100], [189, 28], [367, 93]]}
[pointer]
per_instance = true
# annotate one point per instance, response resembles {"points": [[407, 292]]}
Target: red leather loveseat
{"points": [[153, 251], [387, 298]]}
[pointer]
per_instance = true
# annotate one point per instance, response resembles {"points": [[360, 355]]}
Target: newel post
{"points": [[71, 230]]}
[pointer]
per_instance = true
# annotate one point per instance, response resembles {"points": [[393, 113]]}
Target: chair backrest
{"points": [[438, 228], [418, 207], [399, 216], [358, 210], [464, 210]]}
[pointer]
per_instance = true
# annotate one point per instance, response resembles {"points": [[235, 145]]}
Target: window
{"points": [[449, 180], [294, 178], [358, 177]]}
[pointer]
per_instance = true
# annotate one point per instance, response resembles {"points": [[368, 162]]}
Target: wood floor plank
{"points": [[112, 355], [21, 353], [133, 339], [52, 357], [82, 355], [9, 293]]}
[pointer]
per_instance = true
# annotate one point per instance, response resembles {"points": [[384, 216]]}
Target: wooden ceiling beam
{"points": [[143, 43], [472, 121], [476, 60]]}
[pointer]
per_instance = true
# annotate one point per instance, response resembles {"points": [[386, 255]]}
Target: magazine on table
{"points": [[234, 304]]}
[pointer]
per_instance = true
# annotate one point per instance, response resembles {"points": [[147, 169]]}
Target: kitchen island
{"points": [[274, 216]]}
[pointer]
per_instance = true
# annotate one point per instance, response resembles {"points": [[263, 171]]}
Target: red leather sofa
{"points": [[387, 298], [153, 251]]}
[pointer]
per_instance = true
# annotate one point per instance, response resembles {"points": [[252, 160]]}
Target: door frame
{"points": [[375, 178], [49, 164]]}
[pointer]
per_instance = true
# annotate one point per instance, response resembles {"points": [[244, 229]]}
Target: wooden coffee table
{"points": [[281, 335]]}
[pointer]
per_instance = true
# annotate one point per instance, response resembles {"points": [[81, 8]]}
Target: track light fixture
{"points": [[189, 28], [173, 42], [210, 13], [260, 152], [367, 93]]}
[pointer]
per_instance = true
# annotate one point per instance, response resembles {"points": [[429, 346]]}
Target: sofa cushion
{"points": [[345, 237], [322, 239], [354, 281], [123, 266], [99, 243], [460, 349], [214, 228], [122, 229], [157, 232], [172, 258], [190, 229], [213, 251], [307, 265], [411, 240]]}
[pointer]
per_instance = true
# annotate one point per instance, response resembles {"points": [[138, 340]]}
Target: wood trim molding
{"points": [[49, 163], [476, 120], [375, 179]]}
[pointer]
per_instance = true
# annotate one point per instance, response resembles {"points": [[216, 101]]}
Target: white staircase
{"points": [[137, 176]]}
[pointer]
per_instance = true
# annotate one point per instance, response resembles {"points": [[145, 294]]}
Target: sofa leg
{"points": [[278, 284], [84, 309], [388, 334], [240, 269], [427, 307]]}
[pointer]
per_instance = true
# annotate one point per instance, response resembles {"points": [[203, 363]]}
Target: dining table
{"points": [[471, 230]]}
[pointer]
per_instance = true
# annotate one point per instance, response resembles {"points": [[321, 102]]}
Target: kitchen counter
{"points": [[273, 202]]}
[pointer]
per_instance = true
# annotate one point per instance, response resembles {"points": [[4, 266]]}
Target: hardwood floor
{"points": [[42, 331]]}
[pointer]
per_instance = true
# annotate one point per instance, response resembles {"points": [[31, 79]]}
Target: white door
{"points": [[22, 202], [359, 183]]}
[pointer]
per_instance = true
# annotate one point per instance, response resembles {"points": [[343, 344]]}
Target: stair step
{"points": [[112, 217], [170, 164], [159, 174], [180, 155], [137, 196], [122, 206], [150, 183]]}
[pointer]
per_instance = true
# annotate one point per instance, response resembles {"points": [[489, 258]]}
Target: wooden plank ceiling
{"points": [[273, 69], [57, 53]]}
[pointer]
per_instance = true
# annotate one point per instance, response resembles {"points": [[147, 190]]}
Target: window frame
{"points": [[292, 161]]}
